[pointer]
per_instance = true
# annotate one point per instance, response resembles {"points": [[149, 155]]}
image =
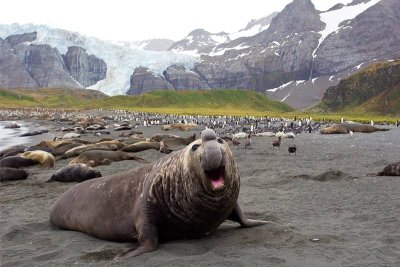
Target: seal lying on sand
{"points": [[160, 137], [391, 170], [174, 142], [102, 157], [12, 151], [180, 126], [75, 173], [42, 157], [76, 151], [188, 193], [141, 146], [11, 174], [344, 128], [17, 162], [59, 151]]}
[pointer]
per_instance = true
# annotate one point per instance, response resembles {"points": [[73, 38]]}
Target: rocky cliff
{"points": [[301, 44], [143, 81], [379, 83], [26, 65], [86, 69]]}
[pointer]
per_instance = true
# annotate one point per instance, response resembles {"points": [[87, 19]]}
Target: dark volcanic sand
{"points": [[328, 210]]}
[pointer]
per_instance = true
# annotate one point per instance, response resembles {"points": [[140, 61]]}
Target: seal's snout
{"points": [[212, 160], [212, 157]]}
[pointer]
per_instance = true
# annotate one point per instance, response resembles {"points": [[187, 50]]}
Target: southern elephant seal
{"points": [[141, 146], [12, 151], [76, 151], [176, 142], [94, 158], [44, 158], [75, 173], [344, 128], [11, 174], [59, 151], [17, 162], [362, 128], [180, 126], [160, 137], [188, 193], [391, 170]]}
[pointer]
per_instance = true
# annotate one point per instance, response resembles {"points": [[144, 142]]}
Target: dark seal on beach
{"points": [[391, 170], [75, 173], [17, 162], [188, 193], [11, 174]]}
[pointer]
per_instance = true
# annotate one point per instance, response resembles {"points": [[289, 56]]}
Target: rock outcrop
{"points": [[377, 80], [27, 65], [86, 69], [12, 71], [182, 79], [373, 34], [17, 39], [143, 80]]}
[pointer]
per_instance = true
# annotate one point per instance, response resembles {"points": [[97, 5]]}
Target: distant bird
{"points": [[235, 141], [247, 142], [277, 143], [292, 149], [351, 133]]}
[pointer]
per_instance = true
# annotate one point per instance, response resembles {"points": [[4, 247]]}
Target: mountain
{"points": [[201, 42], [292, 56], [23, 64], [375, 89], [121, 58], [302, 52]]}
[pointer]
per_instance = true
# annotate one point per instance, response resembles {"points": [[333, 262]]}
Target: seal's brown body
{"points": [[344, 128], [95, 158], [188, 193]]}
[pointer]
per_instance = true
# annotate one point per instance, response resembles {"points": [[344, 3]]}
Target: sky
{"points": [[134, 20]]}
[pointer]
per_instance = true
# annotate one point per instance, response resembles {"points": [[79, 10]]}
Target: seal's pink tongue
{"points": [[219, 182]]}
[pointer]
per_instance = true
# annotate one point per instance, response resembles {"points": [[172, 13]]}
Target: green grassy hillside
{"points": [[235, 102], [375, 90]]}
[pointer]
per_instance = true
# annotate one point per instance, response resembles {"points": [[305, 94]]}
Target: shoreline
{"points": [[323, 201]]}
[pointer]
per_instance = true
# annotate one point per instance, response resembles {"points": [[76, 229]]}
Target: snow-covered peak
{"points": [[334, 18]]}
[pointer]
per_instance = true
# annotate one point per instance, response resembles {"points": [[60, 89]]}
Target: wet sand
{"points": [[328, 209]]}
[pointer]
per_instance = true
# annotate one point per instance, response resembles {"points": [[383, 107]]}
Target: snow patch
{"points": [[299, 82], [280, 87], [358, 66], [333, 18], [249, 32], [330, 78], [285, 97], [222, 51]]}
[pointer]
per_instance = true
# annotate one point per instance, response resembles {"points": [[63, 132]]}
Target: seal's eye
{"points": [[195, 147], [220, 140]]}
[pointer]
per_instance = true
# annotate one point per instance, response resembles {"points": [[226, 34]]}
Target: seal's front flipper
{"points": [[148, 242], [238, 216]]}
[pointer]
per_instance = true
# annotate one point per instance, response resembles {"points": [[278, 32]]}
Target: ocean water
{"points": [[10, 137]]}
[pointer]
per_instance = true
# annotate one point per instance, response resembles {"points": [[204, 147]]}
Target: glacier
{"points": [[121, 59]]}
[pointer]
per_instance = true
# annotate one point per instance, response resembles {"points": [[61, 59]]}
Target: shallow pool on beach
{"points": [[10, 137]]}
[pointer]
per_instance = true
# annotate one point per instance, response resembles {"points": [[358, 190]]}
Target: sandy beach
{"points": [[328, 207]]}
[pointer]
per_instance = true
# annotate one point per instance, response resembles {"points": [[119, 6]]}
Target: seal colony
{"points": [[188, 193]]}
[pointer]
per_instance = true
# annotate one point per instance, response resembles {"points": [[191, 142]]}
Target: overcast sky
{"points": [[119, 20]]}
